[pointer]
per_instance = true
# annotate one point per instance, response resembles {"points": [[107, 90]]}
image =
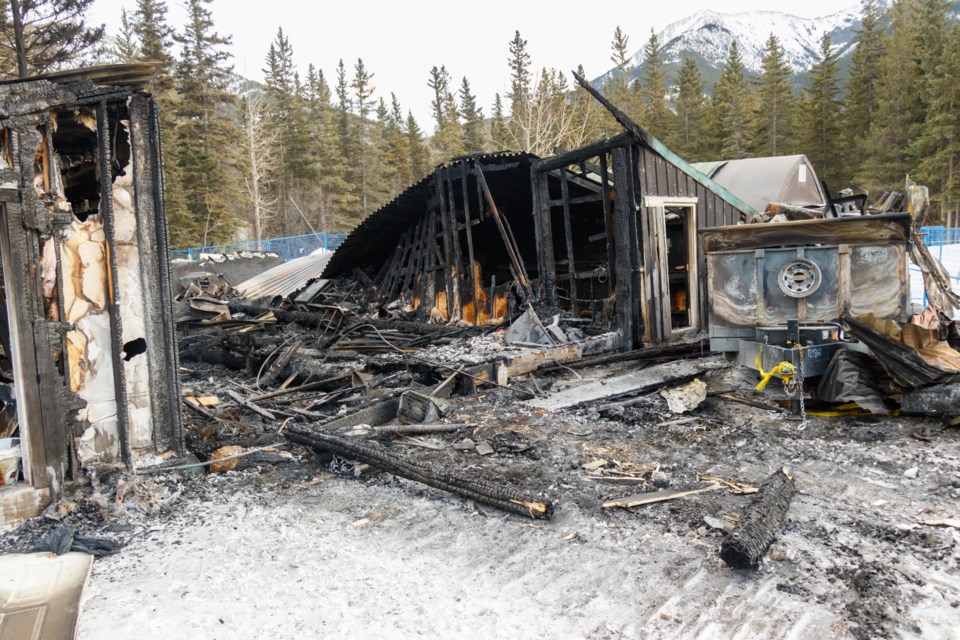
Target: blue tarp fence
{"points": [[290, 247]]}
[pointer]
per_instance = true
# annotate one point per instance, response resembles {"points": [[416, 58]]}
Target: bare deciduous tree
{"points": [[261, 139]]}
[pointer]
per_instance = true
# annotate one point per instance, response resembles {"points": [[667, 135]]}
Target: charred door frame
{"points": [[43, 393], [658, 205]]}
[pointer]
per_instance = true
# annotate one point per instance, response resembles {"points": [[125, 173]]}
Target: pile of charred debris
{"points": [[450, 321]]}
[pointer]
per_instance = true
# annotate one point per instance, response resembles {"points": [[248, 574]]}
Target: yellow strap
{"points": [[785, 371]]}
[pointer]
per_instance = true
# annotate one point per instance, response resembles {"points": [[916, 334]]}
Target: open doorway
{"points": [[679, 226]]}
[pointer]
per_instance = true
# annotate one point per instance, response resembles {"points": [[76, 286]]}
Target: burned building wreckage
{"points": [[493, 275]]}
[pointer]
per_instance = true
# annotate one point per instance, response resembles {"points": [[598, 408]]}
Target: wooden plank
{"points": [[573, 157], [455, 244], [662, 292], [548, 274], [474, 285], [105, 160], [20, 502], [609, 224], [663, 186], [568, 235], [652, 497], [447, 249], [635, 252], [624, 210]]}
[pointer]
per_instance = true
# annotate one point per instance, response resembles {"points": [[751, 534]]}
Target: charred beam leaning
{"points": [[378, 456], [760, 522], [516, 267]]}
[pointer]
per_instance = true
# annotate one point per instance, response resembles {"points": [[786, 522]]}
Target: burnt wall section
{"points": [[605, 255], [91, 323]]}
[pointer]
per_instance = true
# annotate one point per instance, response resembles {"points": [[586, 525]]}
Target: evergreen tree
{"points": [[618, 88], [206, 134], [399, 169], [327, 169], [657, 117], [280, 92], [520, 79], [936, 146], [862, 88], [351, 208], [730, 106], [125, 48], [419, 154], [888, 142], [775, 119], [499, 127], [448, 136], [690, 108], [155, 37], [474, 128], [821, 116], [43, 35], [363, 89]]}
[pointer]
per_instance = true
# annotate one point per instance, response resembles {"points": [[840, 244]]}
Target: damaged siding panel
{"points": [[161, 353], [96, 286]]}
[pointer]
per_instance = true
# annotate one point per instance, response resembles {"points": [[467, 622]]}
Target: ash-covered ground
{"points": [[294, 550]]}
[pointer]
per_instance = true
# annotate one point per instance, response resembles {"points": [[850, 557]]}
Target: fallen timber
{"points": [[378, 456], [760, 522]]}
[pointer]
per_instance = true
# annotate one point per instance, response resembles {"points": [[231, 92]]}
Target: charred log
{"points": [[378, 456], [760, 522]]}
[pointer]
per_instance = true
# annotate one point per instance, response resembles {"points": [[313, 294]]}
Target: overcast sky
{"points": [[400, 41]]}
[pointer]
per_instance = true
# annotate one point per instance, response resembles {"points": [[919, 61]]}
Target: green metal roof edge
{"points": [[710, 169], [697, 175]]}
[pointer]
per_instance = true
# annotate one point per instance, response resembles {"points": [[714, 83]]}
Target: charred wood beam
{"points": [[568, 234], [410, 266], [597, 197], [447, 248], [309, 319], [548, 269], [609, 224], [105, 150], [584, 153], [455, 243], [474, 285], [760, 522], [573, 178], [625, 209], [493, 168], [516, 267], [376, 455], [640, 246]]}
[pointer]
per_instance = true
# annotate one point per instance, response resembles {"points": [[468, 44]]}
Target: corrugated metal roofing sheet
{"points": [[379, 231], [284, 279]]}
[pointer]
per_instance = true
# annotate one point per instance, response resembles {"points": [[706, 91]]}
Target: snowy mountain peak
{"points": [[707, 35]]}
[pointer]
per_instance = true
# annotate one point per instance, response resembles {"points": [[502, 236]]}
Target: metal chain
{"points": [[803, 408]]}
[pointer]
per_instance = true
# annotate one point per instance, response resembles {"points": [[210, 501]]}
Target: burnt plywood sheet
{"points": [[633, 382], [40, 595]]}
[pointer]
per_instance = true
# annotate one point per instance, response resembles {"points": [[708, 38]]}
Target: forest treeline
{"points": [[302, 152]]}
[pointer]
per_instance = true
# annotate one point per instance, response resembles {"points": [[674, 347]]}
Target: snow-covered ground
{"points": [[949, 256]]}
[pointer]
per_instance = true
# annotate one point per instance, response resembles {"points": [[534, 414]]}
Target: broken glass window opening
{"points": [[88, 337]]}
